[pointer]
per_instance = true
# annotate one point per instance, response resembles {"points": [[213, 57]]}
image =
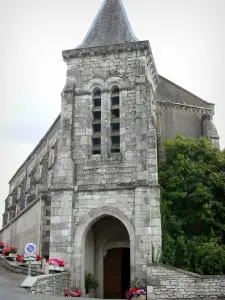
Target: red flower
{"points": [[38, 258], [56, 262], [20, 258], [8, 250]]}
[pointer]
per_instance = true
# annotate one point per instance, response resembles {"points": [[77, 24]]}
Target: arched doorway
{"points": [[102, 230], [107, 256]]}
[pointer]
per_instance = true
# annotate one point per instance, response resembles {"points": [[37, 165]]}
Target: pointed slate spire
{"points": [[111, 26]]}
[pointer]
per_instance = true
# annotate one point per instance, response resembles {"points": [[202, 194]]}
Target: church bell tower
{"points": [[106, 171]]}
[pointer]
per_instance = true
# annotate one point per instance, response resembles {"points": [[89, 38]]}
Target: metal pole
{"points": [[29, 269]]}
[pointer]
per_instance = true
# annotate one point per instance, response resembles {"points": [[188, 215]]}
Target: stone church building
{"points": [[89, 191]]}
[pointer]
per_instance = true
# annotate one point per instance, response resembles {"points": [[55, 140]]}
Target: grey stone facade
{"points": [[79, 187], [172, 283]]}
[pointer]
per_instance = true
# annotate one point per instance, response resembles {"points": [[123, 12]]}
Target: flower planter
{"points": [[141, 297], [57, 269], [37, 263], [11, 255]]}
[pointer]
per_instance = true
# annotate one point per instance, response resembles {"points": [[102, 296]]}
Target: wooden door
{"points": [[113, 274]]}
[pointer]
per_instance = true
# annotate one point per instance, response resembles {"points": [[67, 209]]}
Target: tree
{"points": [[192, 179]]}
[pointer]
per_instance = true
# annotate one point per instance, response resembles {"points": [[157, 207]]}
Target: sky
{"points": [[186, 36]]}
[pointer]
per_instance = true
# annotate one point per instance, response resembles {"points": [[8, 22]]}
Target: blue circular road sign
{"points": [[30, 248]]}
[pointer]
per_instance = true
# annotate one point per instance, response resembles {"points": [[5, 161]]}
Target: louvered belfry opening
{"points": [[96, 138], [115, 120]]}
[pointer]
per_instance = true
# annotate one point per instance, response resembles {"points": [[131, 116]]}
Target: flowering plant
{"points": [[56, 262], [134, 292], [38, 257], [8, 250], [20, 258], [2, 245]]}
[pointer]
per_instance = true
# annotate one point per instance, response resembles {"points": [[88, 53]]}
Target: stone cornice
{"points": [[107, 49], [143, 46], [122, 186], [186, 107]]}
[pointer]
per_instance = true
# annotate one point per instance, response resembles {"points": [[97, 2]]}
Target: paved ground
{"points": [[10, 288]]}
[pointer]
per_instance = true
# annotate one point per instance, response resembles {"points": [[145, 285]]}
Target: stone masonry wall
{"points": [[51, 285], [24, 228], [31, 225], [172, 283]]}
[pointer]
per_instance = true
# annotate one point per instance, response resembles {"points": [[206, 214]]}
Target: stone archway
{"points": [[78, 260]]}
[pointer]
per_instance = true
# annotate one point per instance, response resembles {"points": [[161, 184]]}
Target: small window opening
{"points": [[97, 127], [97, 102], [96, 141], [115, 101], [115, 139], [115, 113], [97, 116], [115, 128]]}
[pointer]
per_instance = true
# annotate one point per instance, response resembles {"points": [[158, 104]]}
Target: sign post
{"points": [[30, 255]]}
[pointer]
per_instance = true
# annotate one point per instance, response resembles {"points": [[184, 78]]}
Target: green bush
{"points": [[192, 179]]}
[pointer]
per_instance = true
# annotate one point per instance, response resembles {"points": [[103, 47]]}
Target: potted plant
{"points": [[20, 259], [10, 252], [137, 290], [137, 293], [55, 264], [91, 284]]}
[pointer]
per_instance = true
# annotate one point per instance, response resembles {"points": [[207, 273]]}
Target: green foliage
{"points": [[90, 282], [192, 179]]}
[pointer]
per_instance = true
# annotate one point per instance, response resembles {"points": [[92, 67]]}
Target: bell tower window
{"points": [[115, 120], [96, 125]]}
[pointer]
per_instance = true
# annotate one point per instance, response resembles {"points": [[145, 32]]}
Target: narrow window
{"points": [[96, 125], [115, 120], [26, 201], [37, 189], [51, 157], [39, 172], [18, 192], [50, 178], [28, 183], [10, 201], [17, 208]]}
